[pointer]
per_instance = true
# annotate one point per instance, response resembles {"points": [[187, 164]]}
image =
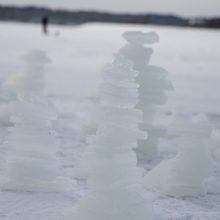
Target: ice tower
{"points": [[31, 162], [114, 180], [153, 84]]}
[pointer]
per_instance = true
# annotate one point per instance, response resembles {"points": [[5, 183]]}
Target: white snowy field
{"points": [[78, 54]]}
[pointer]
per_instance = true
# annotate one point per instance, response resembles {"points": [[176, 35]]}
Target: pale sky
{"points": [[179, 7]]}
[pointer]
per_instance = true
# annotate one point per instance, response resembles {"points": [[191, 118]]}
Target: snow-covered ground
{"points": [[78, 54]]}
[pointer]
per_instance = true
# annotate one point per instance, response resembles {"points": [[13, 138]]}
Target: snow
{"points": [[191, 56]]}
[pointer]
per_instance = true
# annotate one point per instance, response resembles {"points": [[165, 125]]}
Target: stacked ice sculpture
{"points": [[153, 84], [185, 174], [114, 180], [31, 144]]}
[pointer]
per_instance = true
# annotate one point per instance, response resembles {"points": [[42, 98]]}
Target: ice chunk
{"points": [[138, 37]]}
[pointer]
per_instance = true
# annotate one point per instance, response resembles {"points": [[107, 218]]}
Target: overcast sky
{"points": [[180, 7]]}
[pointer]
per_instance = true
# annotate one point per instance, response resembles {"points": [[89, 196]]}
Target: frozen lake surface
{"points": [[191, 56]]}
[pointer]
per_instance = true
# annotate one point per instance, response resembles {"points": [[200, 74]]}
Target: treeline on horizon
{"points": [[34, 14]]}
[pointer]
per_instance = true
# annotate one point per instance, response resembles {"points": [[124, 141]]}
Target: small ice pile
{"points": [[31, 162], [185, 174], [153, 85], [114, 180]]}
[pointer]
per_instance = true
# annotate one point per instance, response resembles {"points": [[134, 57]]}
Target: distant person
{"points": [[44, 22]]}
